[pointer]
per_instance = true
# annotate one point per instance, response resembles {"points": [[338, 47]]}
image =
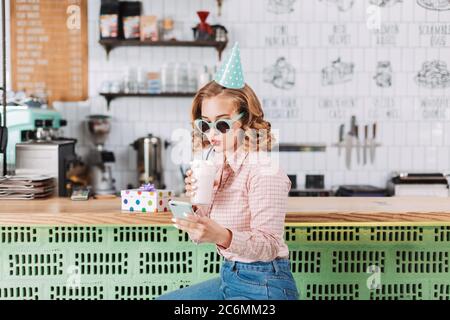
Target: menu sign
{"points": [[49, 48]]}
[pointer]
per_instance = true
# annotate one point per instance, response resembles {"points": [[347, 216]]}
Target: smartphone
{"points": [[179, 209]]}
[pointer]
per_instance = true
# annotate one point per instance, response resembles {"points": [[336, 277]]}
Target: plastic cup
{"points": [[204, 172]]}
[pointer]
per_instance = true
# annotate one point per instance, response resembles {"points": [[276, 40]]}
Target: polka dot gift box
{"points": [[146, 199]]}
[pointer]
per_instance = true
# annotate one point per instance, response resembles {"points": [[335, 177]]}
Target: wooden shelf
{"points": [[110, 44], [111, 96]]}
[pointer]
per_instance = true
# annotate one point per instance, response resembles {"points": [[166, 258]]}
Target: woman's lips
{"points": [[215, 142]]}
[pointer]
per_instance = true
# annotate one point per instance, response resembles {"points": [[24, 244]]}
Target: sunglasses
{"points": [[221, 125]]}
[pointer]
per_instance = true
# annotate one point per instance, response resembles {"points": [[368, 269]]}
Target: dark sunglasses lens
{"points": [[203, 126], [222, 126]]}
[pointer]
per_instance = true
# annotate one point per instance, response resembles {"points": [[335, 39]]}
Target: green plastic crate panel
{"points": [[13, 291], [441, 291], [10, 235], [328, 263]]}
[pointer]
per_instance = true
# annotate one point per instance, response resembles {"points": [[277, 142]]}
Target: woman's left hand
{"points": [[204, 229]]}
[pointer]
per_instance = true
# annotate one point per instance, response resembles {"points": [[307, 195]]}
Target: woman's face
{"points": [[217, 108]]}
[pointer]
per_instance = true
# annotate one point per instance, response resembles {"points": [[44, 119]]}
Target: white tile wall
{"points": [[410, 138]]}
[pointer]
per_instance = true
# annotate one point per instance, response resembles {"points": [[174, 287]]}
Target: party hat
{"points": [[230, 73]]}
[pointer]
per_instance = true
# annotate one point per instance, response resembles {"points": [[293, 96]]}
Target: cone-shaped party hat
{"points": [[230, 72]]}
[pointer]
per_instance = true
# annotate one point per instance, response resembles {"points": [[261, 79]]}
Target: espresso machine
{"points": [[149, 160], [27, 123], [55, 158], [100, 160], [40, 148]]}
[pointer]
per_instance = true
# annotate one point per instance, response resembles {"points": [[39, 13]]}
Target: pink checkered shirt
{"points": [[250, 199]]}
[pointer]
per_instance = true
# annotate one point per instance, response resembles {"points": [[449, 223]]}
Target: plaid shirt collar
{"points": [[236, 159]]}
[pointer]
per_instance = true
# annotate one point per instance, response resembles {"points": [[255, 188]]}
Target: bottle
{"points": [[204, 77]]}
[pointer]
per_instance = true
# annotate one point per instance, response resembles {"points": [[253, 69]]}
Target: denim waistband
{"points": [[262, 266]]}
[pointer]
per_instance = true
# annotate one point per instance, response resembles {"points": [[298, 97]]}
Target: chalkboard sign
{"points": [[49, 48]]}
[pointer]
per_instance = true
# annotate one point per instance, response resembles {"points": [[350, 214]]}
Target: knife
{"points": [[349, 142], [366, 143], [373, 143], [348, 149], [358, 145], [341, 139], [353, 126]]}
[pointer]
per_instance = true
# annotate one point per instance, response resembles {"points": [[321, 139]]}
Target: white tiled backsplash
{"points": [[413, 121]]}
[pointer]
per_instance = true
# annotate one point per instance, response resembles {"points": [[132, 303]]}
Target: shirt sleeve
{"points": [[268, 196]]}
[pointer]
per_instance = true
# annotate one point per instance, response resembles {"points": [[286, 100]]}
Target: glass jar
{"points": [[167, 78], [181, 77], [142, 81], [167, 29], [192, 76], [130, 81]]}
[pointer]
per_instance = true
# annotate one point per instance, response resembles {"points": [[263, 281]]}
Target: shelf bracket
{"points": [[108, 101], [220, 48], [108, 50]]}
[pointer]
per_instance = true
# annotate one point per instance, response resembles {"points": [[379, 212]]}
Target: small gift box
{"points": [[146, 199]]}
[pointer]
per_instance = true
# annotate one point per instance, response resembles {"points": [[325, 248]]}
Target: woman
{"points": [[246, 218]]}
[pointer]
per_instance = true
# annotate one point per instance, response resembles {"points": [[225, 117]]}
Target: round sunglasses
{"points": [[221, 125]]}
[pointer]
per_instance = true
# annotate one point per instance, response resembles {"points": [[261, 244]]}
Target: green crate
{"points": [[13, 291], [441, 291], [143, 262]]}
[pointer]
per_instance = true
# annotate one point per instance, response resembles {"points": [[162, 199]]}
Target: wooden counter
{"points": [[301, 211]]}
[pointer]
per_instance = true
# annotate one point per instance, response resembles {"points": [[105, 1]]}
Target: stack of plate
{"points": [[26, 187]]}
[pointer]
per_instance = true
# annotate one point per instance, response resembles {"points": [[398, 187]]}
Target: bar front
{"points": [[340, 249]]}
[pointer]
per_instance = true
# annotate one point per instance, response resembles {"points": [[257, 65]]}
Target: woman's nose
{"points": [[212, 133]]}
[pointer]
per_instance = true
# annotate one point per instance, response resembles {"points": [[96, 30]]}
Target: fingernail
{"points": [[176, 226], [193, 180], [194, 187], [174, 220]]}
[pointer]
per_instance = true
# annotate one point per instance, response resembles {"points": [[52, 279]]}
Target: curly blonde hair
{"points": [[257, 131]]}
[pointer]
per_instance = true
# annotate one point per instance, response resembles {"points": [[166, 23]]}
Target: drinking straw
{"points": [[209, 152]]}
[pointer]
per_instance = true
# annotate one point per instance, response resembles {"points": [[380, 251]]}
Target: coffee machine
{"points": [[50, 157], [99, 159], [27, 123], [40, 148]]}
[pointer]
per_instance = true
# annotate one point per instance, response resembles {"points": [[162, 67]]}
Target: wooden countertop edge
{"points": [[301, 212], [294, 219]]}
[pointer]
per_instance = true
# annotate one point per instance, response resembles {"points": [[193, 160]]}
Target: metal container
{"points": [[149, 160]]}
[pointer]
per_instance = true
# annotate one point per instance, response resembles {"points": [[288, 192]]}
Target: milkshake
{"points": [[204, 172]]}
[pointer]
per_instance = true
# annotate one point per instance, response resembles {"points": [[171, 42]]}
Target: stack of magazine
{"points": [[26, 187]]}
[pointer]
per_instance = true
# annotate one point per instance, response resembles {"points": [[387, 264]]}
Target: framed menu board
{"points": [[49, 48]]}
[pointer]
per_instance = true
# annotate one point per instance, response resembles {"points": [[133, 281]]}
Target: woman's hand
{"points": [[203, 229], [189, 184], [190, 187]]}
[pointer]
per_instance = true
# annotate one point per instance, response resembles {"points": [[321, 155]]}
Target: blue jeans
{"points": [[243, 281]]}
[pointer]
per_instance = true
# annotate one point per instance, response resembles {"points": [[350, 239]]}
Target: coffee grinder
{"points": [[100, 160]]}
